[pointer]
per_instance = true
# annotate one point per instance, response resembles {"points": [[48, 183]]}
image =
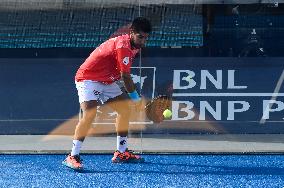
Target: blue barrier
{"points": [[210, 95]]}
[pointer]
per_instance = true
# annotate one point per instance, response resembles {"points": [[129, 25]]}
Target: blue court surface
{"points": [[157, 171]]}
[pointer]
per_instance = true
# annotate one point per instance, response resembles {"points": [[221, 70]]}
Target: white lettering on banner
{"points": [[232, 109], [204, 76], [182, 106], [177, 78], [204, 105], [231, 81], [266, 103], [188, 110]]}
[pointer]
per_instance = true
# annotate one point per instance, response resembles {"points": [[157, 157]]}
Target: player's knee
{"points": [[88, 116]]}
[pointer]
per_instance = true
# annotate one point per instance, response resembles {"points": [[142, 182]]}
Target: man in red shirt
{"points": [[96, 81]]}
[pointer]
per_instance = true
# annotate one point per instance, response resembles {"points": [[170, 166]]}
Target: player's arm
{"points": [[128, 82], [124, 62]]}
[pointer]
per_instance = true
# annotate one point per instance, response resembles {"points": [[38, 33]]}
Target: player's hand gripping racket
{"points": [[154, 109]]}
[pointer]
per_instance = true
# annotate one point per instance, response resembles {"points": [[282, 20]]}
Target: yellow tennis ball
{"points": [[167, 114]]}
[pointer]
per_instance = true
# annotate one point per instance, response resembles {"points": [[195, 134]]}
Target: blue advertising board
{"points": [[209, 95]]}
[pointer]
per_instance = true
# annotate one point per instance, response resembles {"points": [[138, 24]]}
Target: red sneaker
{"points": [[126, 157], [73, 162]]}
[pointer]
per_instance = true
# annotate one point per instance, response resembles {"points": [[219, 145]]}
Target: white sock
{"points": [[76, 147], [121, 143]]}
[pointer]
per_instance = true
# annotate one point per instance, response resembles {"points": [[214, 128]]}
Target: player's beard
{"points": [[134, 45]]}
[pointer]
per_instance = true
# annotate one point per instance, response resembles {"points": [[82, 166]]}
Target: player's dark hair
{"points": [[141, 24]]}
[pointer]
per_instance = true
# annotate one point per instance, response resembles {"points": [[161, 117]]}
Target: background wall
{"points": [[233, 52], [38, 95]]}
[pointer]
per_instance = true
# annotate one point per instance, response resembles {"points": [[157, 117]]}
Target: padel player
{"points": [[96, 81]]}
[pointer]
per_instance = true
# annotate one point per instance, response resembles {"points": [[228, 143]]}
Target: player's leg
{"points": [[73, 160], [88, 102], [89, 109], [121, 105]]}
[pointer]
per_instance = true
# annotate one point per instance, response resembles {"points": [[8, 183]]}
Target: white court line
{"points": [[223, 121], [276, 90], [188, 121], [229, 94], [3, 120], [131, 123], [143, 122]]}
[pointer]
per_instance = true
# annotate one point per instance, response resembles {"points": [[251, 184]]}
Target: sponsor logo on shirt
{"points": [[125, 60]]}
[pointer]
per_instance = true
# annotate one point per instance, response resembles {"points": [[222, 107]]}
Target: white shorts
{"points": [[92, 90]]}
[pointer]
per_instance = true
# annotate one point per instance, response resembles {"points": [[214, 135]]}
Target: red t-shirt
{"points": [[107, 61]]}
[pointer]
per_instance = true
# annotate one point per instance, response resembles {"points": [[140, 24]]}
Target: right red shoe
{"points": [[73, 162], [126, 157]]}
